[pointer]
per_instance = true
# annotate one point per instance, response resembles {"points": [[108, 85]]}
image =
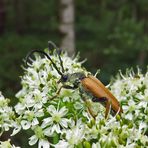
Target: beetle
{"points": [[88, 85]]}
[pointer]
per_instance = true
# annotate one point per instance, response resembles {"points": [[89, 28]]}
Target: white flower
{"points": [[129, 116], [92, 133], [56, 120], [134, 89], [39, 135], [62, 144], [19, 108], [43, 144], [76, 134], [33, 140], [30, 118], [96, 145], [16, 129], [6, 114]]}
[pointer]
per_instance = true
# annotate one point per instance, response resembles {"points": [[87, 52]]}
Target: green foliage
{"points": [[114, 32]]}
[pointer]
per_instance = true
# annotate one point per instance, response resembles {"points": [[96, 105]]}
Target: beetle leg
{"points": [[57, 93], [102, 101], [69, 87], [87, 103], [85, 97], [89, 107], [64, 86], [108, 108]]}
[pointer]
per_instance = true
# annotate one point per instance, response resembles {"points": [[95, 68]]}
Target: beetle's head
{"points": [[63, 78]]}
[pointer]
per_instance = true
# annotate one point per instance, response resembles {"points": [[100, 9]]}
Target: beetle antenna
{"points": [[61, 62], [58, 52], [45, 54]]}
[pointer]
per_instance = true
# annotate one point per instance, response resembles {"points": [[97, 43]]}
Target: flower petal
{"points": [[51, 109], [16, 130], [61, 144], [47, 131], [46, 122], [33, 139], [25, 124], [35, 121], [43, 144], [64, 122], [63, 111]]}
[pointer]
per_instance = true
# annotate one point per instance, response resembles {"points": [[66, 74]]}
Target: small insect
{"points": [[86, 84]]}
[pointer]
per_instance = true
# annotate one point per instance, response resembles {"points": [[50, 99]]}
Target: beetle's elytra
{"points": [[96, 87]]}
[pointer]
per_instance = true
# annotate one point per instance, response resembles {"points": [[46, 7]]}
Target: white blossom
{"points": [[6, 114], [56, 119], [64, 116]]}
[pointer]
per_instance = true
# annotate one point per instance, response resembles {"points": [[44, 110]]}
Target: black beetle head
{"points": [[64, 78]]}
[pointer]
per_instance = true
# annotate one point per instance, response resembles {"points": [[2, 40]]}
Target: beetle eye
{"points": [[65, 77]]}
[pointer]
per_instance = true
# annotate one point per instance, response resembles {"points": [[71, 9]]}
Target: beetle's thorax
{"points": [[74, 78]]}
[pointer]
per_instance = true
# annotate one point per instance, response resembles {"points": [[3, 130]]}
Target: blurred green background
{"points": [[112, 35]]}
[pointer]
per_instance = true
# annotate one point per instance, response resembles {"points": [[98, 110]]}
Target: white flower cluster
{"points": [[38, 108], [132, 91], [62, 120], [6, 114]]}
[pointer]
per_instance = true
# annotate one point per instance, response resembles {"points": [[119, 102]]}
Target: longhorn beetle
{"points": [[86, 84]]}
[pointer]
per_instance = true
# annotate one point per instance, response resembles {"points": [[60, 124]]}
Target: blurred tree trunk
{"points": [[2, 16], [142, 57], [67, 25]]}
